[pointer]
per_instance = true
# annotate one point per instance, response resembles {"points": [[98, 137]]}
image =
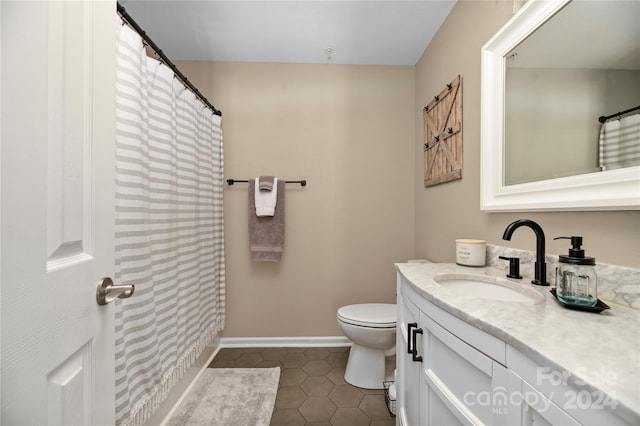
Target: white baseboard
{"points": [[291, 342]]}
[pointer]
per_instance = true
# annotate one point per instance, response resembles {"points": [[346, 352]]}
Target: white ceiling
{"points": [[359, 32]]}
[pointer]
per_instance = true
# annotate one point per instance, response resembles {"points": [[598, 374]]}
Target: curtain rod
{"points": [[232, 181], [126, 17], [604, 118]]}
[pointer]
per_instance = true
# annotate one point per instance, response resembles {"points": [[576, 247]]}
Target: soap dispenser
{"points": [[576, 279]]}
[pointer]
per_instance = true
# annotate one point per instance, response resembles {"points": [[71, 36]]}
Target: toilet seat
{"points": [[372, 315]]}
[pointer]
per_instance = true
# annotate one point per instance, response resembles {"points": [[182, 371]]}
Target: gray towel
{"points": [[266, 183], [266, 233]]}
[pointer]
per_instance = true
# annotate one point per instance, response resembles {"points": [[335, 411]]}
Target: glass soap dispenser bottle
{"points": [[576, 279]]}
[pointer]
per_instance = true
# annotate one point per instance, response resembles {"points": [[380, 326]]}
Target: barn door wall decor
{"points": [[443, 135]]}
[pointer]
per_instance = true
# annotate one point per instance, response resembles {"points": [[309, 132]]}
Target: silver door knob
{"points": [[107, 291]]}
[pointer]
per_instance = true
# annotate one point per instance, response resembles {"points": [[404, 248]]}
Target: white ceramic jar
{"points": [[471, 252]]}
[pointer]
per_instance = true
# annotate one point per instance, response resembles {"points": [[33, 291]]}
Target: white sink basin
{"points": [[487, 288]]}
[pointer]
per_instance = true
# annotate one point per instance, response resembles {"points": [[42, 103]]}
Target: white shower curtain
{"points": [[169, 229]]}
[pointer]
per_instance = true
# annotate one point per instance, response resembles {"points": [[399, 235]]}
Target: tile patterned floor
{"points": [[312, 389]]}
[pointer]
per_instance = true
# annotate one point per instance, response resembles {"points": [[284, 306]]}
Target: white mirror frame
{"points": [[609, 190]]}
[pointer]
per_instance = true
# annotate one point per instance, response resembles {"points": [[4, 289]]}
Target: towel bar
{"points": [[232, 181]]}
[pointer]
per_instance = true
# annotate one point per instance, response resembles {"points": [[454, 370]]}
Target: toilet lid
{"points": [[378, 315]]}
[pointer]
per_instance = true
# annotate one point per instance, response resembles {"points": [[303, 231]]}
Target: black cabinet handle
{"points": [[414, 350], [409, 327]]}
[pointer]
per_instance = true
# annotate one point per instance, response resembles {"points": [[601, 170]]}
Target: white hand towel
{"points": [[266, 200]]}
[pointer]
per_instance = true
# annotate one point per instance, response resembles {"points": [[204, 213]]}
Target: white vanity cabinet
{"points": [[450, 372], [441, 378]]}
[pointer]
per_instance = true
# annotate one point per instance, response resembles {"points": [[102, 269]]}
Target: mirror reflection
{"points": [[581, 65]]}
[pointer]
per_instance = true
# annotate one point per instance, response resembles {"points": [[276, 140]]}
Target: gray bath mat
{"points": [[230, 397]]}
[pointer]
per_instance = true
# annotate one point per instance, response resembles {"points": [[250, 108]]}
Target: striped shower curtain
{"points": [[620, 143], [169, 229]]}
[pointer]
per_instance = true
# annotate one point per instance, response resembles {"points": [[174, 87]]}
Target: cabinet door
{"points": [[546, 385], [533, 407], [459, 383], [408, 371]]}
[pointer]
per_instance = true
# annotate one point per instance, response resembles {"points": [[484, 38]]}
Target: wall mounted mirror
{"points": [[547, 77]]}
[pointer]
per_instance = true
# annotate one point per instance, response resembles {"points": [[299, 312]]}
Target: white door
{"points": [[57, 191]]}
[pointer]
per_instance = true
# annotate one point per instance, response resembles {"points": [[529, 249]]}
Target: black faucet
{"points": [[540, 266]]}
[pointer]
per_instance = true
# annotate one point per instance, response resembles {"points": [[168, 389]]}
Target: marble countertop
{"points": [[586, 345]]}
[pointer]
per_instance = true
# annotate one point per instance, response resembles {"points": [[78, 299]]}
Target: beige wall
{"points": [[348, 130], [451, 210], [354, 133]]}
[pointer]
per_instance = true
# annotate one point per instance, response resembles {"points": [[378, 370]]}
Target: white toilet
{"points": [[372, 329]]}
